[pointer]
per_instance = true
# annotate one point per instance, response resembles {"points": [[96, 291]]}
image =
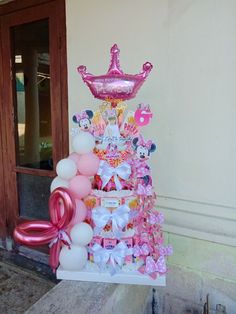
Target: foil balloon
{"points": [[115, 85], [39, 232]]}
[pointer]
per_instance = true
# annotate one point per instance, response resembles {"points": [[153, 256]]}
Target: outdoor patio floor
{"points": [[20, 288]]}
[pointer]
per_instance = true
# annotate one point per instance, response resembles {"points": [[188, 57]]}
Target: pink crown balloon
{"points": [[115, 85]]}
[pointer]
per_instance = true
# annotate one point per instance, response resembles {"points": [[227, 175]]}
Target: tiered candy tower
{"points": [[127, 227], [105, 226]]}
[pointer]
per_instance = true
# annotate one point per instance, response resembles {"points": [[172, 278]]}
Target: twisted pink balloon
{"points": [[39, 232]]}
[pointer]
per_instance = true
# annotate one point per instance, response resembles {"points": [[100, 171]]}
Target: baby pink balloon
{"points": [[88, 164], [80, 186], [80, 213], [75, 157]]}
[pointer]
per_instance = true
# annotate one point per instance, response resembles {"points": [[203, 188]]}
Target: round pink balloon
{"points": [[80, 186], [80, 213], [75, 157], [88, 164]]}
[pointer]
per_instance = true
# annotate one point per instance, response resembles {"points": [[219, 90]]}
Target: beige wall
{"points": [[192, 45]]}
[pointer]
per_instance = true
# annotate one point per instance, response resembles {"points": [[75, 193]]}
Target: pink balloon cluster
{"points": [[74, 173]]}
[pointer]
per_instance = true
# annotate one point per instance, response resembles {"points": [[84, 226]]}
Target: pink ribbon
{"points": [[143, 227], [165, 251], [82, 115], [144, 236], [141, 250], [153, 268], [158, 238], [144, 190], [156, 218], [141, 142]]}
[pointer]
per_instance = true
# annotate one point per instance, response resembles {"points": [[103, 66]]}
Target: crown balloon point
{"points": [[115, 62], [115, 49], [81, 69], [147, 67], [83, 72]]}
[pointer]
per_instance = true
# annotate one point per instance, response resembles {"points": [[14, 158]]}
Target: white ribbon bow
{"points": [[106, 172], [119, 218], [116, 256], [62, 235]]}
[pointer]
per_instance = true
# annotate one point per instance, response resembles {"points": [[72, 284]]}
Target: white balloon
{"points": [[66, 169], [73, 258], [81, 233], [83, 143], [58, 182]]}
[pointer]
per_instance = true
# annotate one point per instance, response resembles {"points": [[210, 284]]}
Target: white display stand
{"points": [[132, 277]]}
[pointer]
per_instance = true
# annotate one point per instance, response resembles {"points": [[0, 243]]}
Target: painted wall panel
{"points": [[191, 89]]}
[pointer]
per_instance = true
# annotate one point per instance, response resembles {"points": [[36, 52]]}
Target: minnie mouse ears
{"points": [[85, 114], [139, 141]]}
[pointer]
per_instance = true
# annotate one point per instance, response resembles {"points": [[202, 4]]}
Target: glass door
{"points": [[32, 104], [34, 107]]}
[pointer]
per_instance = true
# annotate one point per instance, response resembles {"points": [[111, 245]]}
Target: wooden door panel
{"points": [[2, 186]]}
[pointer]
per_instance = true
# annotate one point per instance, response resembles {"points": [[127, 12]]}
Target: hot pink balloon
{"points": [[88, 164], [115, 84], [80, 213], [75, 157], [80, 186], [39, 232]]}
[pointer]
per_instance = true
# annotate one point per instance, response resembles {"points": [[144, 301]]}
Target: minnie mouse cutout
{"points": [[84, 119], [142, 171]]}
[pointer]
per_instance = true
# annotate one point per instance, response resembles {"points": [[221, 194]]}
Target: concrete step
{"points": [[76, 297]]}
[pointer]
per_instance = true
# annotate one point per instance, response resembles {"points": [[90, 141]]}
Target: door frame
{"points": [[12, 14], [2, 187]]}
